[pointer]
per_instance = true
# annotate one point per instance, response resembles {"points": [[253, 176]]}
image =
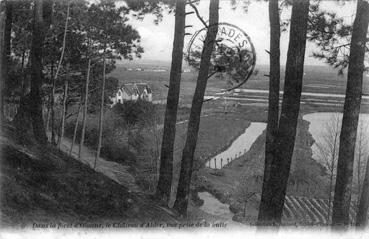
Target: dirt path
{"points": [[115, 171]]}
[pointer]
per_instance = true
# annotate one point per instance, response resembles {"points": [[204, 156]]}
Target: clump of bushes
{"points": [[122, 129]]}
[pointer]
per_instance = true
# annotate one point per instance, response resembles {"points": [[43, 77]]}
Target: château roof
{"points": [[135, 88]]}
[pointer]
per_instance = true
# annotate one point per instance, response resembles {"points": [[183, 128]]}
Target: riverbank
{"points": [[243, 176]]}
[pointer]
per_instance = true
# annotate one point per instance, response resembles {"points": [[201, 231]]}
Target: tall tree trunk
{"points": [[7, 48], [42, 21], [3, 64], [157, 147], [75, 128], [50, 105], [64, 113], [8, 27], [332, 166], [361, 145], [183, 190], [101, 111], [274, 190], [274, 80], [362, 212], [64, 41], [85, 107], [166, 157], [330, 197], [358, 174], [351, 111], [24, 84], [55, 77]]}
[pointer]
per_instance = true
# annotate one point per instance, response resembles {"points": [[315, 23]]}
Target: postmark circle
{"points": [[233, 54]]}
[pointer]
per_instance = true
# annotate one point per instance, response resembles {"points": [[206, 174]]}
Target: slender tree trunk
{"points": [[362, 212], [42, 20], [101, 112], [351, 111], [85, 107], [75, 128], [52, 104], [166, 157], [359, 161], [330, 197], [64, 41], [50, 108], [8, 27], [274, 190], [6, 32], [3, 64], [24, 84], [358, 174], [274, 80], [157, 147], [183, 190], [55, 77], [64, 114], [332, 166]]}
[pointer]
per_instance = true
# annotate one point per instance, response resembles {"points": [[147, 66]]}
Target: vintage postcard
{"points": [[161, 118]]}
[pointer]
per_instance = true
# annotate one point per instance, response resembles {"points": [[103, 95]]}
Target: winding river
{"points": [[326, 126], [239, 146], [214, 206]]}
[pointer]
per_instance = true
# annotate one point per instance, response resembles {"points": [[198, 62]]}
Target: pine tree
{"points": [[183, 189], [274, 81], [274, 190], [164, 186], [351, 111]]}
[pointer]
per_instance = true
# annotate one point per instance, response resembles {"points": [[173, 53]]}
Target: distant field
{"points": [[318, 79], [159, 80]]}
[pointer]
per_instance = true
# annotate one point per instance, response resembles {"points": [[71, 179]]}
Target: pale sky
{"points": [[157, 40]]}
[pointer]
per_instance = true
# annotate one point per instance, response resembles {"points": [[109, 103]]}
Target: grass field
{"points": [[216, 132], [317, 79]]}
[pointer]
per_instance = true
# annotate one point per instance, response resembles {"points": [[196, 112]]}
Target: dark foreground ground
{"points": [[41, 187]]}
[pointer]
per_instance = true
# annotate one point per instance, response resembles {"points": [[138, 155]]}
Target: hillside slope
{"points": [[46, 186]]}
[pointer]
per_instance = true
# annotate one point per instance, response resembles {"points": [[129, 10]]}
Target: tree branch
{"points": [[207, 100], [343, 45], [198, 14], [211, 74], [192, 2]]}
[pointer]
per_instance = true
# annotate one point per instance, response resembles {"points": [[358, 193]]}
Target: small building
{"points": [[132, 92]]}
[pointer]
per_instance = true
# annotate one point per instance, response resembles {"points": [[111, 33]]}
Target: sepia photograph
{"points": [[165, 118]]}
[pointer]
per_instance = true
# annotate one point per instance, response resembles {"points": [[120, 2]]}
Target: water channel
{"points": [[238, 147]]}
